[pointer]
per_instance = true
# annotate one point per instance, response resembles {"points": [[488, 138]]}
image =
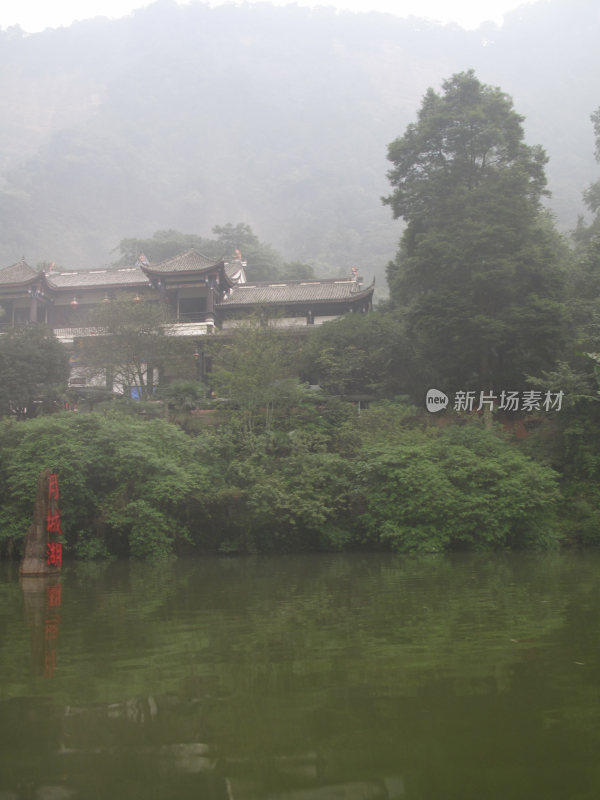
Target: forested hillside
{"points": [[188, 117]]}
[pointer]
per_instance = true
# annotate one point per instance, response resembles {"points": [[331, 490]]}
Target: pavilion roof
{"points": [[19, 273], [189, 261]]}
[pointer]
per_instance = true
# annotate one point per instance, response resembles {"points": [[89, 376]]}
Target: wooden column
{"points": [[33, 306]]}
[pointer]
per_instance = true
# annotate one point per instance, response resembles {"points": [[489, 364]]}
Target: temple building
{"points": [[201, 296]]}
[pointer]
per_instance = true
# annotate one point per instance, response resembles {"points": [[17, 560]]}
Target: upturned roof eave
{"points": [[18, 284], [162, 268], [21, 283]]}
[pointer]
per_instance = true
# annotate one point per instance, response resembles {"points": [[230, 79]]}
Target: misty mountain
{"points": [[187, 117]]}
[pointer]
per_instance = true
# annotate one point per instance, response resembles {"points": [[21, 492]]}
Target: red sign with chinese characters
{"points": [[54, 554], [53, 521], [53, 486], [54, 548]]}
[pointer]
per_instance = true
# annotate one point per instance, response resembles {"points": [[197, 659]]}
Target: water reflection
{"points": [[42, 599], [303, 678], [142, 727]]}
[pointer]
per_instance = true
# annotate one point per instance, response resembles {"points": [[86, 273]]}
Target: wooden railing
{"points": [[194, 316]]}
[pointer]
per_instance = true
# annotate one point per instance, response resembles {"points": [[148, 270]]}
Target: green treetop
{"points": [[477, 274]]}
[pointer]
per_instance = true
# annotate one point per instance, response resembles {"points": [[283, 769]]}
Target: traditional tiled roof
{"points": [[189, 261], [17, 273], [290, 292], [97, 278], [240, 294]]}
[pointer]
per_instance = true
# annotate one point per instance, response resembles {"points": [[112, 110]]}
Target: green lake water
{"points": [[351, 677]]}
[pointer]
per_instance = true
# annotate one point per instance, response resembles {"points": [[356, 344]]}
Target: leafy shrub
{"points": [[124, 481], [458, 488]]}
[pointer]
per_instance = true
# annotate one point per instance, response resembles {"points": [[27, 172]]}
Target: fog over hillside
{"points": [[188, 117]]}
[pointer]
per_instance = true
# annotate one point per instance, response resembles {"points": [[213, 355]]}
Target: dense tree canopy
{"points": [[463, 139], [587, 234], [458, 488], [592, 195], [478, 271], [570, 441], [123, 481], [358, 354], [323, 478], [34, 370], [255, 374]]}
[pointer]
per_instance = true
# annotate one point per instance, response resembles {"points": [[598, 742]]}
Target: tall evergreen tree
{"points": [[478, 273], [34, 370], [587, 236]]}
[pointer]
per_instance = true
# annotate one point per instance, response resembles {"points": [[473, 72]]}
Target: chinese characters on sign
{"points": [[504, 401], [54, 548], [53, 486], [54, 554], [53, 522]]}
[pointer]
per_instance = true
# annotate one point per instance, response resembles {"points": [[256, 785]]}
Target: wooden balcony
{"points": [[67, 335]]}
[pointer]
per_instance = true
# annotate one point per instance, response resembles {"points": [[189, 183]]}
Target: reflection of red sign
{"points": [[53, 595], [53, 486], [54, 554], [51, 629], [51, 625], [49, 663]]}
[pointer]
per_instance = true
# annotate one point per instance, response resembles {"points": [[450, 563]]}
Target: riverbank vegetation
{"points": [[323, 442], [333, 480]]}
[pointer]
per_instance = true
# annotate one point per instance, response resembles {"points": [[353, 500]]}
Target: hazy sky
{"points": [[35, 15]]}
